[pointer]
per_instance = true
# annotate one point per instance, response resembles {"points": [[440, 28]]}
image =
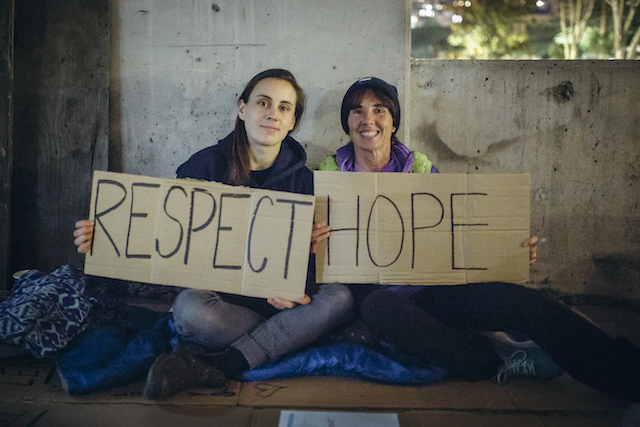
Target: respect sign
{"points": [[200, 234], [423, 229]]}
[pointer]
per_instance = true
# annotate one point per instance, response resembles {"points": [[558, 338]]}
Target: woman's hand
{"points": [[319, 232], [83, 235], [281, 303], [533, 249]]}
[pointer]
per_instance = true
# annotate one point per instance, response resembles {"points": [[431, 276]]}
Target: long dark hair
{"points": [[239, 166]]}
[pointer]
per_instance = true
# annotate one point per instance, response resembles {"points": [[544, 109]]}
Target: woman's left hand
{"points": [[533, 249], [281, 303], [319, 232]]}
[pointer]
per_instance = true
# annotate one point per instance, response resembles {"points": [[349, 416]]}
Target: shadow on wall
{"points": [[620, 272], [438, 149], [609, 275]]}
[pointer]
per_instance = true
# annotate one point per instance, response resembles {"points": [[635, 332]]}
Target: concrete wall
{"points": [[60, 125], [575, 127], [177, 68], [6, 133]]}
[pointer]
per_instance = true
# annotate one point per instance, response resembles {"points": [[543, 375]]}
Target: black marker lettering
{"points": [[293, 217], [369, 225], [166, 201], [336, 230], [453, 225], [253, 221], [103, 213], [137, 215], [220, 227], [203, 226], [413, 221]]}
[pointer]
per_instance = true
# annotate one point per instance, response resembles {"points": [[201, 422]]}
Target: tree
{"points": [[429, 41], [596, 45], [574, 18], [492, 28], [622, 27], [603, 25]]}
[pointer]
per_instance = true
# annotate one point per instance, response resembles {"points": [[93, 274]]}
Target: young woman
{"points": [[444, 324], [221, 334]]}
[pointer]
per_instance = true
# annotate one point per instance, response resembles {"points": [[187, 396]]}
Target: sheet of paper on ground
{"points": [[200, 234], [335, 419], [423, 229]]}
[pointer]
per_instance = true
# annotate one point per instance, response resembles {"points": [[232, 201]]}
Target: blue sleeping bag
{"points": [[347, 360], [107, 357]]}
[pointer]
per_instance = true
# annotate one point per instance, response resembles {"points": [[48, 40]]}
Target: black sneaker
{"points": [[181, 370]]}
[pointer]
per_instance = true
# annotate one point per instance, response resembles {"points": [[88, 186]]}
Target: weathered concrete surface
{"points": [[60, 128], [177, 68], [574, 126], [6, 133]]}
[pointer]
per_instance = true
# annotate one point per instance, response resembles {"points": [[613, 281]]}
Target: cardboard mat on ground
{"points": [[423, 229], [200, 234], [36, 381]]}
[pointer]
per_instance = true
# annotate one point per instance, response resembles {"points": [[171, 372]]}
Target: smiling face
{"points": [[269, 114], [370, 125]]}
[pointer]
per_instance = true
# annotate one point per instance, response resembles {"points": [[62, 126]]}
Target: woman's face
{"points": [[269, 114], [370, 124]]}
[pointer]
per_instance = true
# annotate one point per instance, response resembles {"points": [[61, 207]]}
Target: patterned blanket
{"points": [[45, 311]]}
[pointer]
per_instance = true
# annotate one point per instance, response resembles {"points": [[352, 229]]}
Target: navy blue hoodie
{"points": [[288, 173]]}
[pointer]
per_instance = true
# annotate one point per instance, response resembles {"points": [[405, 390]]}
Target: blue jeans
{"points": [[260, 332]]}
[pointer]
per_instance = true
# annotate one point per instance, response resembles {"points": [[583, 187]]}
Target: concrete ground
{"points": [[31, 395]]}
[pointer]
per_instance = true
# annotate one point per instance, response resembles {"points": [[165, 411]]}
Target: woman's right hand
{"points": [[83, 235], [282, 304]]}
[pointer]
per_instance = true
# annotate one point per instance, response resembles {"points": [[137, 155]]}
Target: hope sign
{"points": [[422, 229]]}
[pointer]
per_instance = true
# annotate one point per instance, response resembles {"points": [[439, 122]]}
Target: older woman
{"points": [[371, 116], [445, 324]]}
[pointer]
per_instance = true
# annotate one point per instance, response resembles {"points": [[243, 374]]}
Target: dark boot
{"points": [[354, 332], [181, 370]]}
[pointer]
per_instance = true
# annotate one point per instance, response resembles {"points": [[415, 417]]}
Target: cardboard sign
{"points": [[423, 229], [200, 234]]}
